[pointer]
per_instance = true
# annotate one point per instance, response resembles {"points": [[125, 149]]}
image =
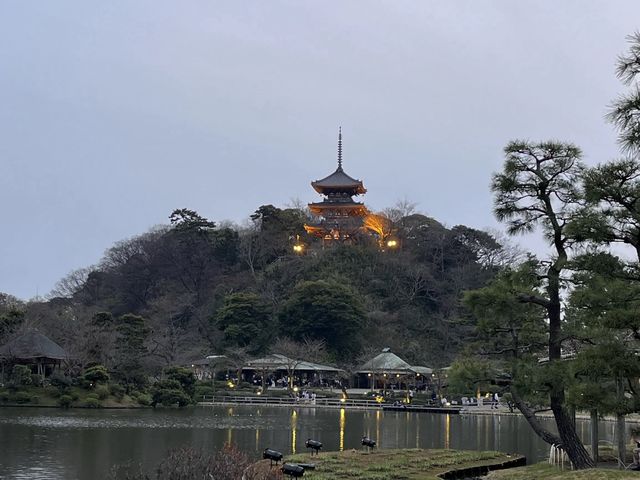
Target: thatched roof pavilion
{"points": [[33, 348]]}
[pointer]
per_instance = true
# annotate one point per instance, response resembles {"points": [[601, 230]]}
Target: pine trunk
{"points": [[533, 421], [621, 439], [594, 436], [571, 443]]}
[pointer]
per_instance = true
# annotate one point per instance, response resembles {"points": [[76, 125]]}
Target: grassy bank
{"points": [[408, 464], [547, 472]]}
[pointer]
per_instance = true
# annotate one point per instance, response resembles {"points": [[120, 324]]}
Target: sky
{"points": [[113, 114]]}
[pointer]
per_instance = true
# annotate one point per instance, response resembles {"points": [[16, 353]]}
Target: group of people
{"points": [[306, 397]]}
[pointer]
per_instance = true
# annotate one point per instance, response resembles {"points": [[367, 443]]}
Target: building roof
{"points": [[32, 345], [389, 362], [207, 361], [339, 180], [276, 361]]}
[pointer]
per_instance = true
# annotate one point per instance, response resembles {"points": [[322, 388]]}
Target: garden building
{"points": [[34, 349], [388, 370], [276, 367]]}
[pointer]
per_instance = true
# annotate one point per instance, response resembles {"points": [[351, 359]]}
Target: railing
{"points": [[260, 400]]}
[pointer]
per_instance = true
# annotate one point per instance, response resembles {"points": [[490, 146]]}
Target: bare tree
{"points": [[380, 224], [401, 209], [237, 358], [298, 352], [71, 284]]}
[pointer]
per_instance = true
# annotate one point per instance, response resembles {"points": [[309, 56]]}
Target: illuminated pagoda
{"points": [[338, 217]]}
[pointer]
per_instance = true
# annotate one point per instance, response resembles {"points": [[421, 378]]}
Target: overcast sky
{"points": [[112, 114]]}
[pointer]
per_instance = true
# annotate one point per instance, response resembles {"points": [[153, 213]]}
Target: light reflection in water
{"points": [[342, 424], [257, 439], [378, 415], [294, 425], [447, 430]]}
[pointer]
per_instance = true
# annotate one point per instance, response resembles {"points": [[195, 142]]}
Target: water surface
{"points": [[39, 443]]}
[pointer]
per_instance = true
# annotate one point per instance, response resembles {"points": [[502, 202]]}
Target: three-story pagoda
{"points": [[339, 217]]}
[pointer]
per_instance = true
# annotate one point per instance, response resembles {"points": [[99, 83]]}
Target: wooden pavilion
{"points": [[33, 348], [388, 368]]}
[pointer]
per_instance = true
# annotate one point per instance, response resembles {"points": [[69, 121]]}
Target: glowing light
{"points": [[298, 248], [342, 424], [368, 375], [295, 389], [447, 431], [397, 375], [294, 426], [392, 243], [230, 384]]}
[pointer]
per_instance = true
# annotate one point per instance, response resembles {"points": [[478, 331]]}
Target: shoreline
{"points": [[475, 411]]}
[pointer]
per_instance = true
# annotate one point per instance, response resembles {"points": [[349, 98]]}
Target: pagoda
{"points": [[338, 217]]}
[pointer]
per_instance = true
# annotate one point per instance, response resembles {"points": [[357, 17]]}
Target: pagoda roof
{"points": [[337, 204], [339, 180]]}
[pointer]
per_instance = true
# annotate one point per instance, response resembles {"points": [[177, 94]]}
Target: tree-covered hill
{"points": [[195, 288]]}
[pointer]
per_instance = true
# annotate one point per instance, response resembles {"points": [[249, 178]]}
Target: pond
{"points": [[39, 443]]}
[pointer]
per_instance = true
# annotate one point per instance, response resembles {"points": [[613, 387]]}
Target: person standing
{"points": [[496, 401]]}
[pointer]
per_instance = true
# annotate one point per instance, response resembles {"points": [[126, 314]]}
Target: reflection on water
{"points": [[84, 444], [343, 421], [447, 430], [294, 426]]}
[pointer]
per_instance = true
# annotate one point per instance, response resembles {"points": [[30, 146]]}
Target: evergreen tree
{"points": [[539, 188], [324, 310]]}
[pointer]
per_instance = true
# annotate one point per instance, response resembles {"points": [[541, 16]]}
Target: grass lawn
{"points": [[409, 464], [543, 471]]}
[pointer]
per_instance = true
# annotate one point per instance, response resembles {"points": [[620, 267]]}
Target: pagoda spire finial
{"points": [[339, 148]]}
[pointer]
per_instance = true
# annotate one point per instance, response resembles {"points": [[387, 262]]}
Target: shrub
{"points": [[74, 396], [92, 402], [4, 396], [203, 390], [184, 376], [59, 380], [65, 401], [35, 399], [229, 463], [169, 397], [21, 375], [102, 392], [144, 399], [117, 390], [36, 380], [22, 397], [96, 374]]}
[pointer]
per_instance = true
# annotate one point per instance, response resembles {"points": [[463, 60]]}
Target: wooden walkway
{"points": [[288, 401]]}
